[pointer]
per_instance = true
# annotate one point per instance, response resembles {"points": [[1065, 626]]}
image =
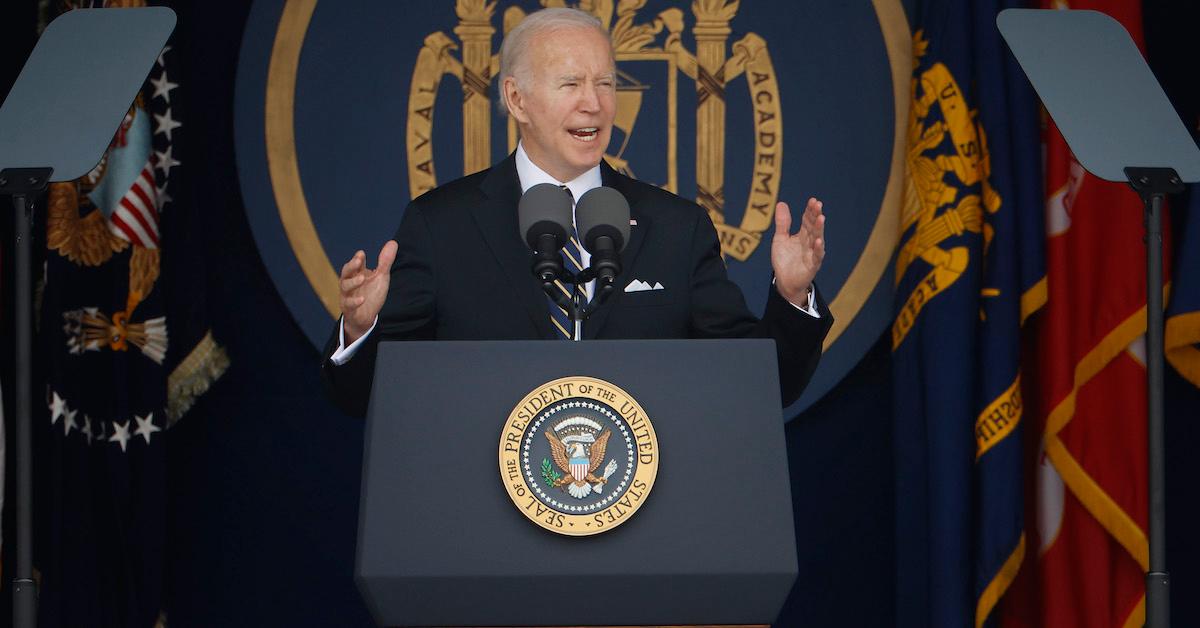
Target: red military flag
{"points": [[1088, 490]]}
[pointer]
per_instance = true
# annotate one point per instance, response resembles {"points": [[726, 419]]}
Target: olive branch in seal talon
{"points": [[549, 475]]}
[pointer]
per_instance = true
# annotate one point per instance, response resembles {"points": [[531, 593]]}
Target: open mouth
{"points": [[585, 134]]}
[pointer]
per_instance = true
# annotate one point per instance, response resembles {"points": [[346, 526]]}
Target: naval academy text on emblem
{"points": [[578, 456]]}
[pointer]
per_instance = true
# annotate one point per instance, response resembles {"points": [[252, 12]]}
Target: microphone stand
{"points": [[575, 306], [604, 269]]}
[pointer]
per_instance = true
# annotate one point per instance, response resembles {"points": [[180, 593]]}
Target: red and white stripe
{"points": [[579, 470], [136, 216]]}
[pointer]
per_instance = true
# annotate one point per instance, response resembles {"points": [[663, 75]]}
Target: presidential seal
{"points": [[578, 456]]}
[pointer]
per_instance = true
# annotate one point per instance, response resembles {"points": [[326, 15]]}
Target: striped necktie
{"points": [[564, 327]]}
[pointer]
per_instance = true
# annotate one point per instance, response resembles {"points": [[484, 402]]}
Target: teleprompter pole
{"points": [[1153, 184], [24, 184]]}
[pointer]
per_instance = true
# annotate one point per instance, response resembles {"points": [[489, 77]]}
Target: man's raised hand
{"points": [[797, 257], [363, 290]]}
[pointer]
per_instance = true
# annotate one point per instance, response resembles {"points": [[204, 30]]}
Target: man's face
{"points": [[566, 102]]}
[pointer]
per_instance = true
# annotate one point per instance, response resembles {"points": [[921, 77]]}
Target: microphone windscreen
{"points": [[603, 211], [544, 208]]}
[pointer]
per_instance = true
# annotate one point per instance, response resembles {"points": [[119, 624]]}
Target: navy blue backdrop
{"points": [[264, 472]]}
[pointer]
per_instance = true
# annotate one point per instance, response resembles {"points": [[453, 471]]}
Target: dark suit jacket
{"points": [[463, 272]]}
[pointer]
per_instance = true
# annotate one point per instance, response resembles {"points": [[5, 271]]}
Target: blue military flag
{"points": [[1182, 336], [968, 273]]}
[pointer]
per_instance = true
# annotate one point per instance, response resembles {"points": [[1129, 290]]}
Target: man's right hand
{"points": [[364, 291]]}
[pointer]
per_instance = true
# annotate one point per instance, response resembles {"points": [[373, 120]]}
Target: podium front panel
{"points": [[441, 543]]}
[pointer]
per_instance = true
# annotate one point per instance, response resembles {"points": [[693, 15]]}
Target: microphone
{"points": [[602, 215], [544, 216]]}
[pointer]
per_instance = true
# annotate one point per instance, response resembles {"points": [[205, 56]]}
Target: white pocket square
{"points": [[637, 285]]}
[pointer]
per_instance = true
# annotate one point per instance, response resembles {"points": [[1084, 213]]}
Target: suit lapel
{"points": [[638, 212], [497, 221]]}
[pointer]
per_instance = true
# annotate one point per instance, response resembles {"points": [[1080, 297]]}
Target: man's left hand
{"points": [[796, 258]]}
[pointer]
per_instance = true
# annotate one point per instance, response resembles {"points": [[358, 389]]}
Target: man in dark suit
{"points": [[459, 269]]}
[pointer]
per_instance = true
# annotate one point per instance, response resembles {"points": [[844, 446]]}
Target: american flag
{"points": [[136, 217]]}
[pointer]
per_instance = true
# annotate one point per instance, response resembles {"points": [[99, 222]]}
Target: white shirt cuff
{"points": [[344, 353], [811, 307]]}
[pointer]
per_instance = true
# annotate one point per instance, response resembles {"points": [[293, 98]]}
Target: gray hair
{"points": [[513, 57]]}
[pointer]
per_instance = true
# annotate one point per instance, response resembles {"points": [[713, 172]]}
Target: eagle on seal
{"points": [[579, 465]]}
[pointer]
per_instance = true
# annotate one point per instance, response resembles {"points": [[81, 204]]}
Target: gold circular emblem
{"points": [[578, 456]]}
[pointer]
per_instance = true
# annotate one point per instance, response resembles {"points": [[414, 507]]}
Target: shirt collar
{"points": [[531, 175]]}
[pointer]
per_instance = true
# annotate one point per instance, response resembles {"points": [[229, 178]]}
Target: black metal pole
{"points": [[1157, 591], [1153, 185], [24, 589]]}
